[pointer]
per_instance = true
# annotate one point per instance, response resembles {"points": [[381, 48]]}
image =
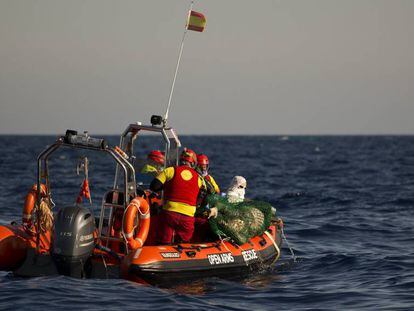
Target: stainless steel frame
{"points": [[127, 168], [172, 145], [128, 137]]}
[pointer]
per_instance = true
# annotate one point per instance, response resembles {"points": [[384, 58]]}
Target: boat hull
{"points": [[16, 242], [156, 265], [171, 264]]}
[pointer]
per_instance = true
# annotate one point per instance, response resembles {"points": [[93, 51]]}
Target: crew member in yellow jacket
{"points": [[155, 163]]}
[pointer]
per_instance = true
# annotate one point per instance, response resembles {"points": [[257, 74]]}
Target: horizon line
{"points": [[234, 134]]}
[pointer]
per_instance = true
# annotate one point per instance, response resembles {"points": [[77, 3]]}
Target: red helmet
{"points": [[188, 155], [157, 156], [202, 159]]}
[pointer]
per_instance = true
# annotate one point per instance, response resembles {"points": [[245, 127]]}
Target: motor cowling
{"points": [[73, 240]]}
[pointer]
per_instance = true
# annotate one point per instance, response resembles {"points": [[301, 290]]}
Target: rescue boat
{"points": [[54, 239]]}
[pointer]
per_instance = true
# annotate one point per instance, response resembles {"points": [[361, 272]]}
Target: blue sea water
{"points": [[347, 203]]}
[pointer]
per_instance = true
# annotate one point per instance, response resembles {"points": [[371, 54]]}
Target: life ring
{"points": [[137, 205], [30, 203]]}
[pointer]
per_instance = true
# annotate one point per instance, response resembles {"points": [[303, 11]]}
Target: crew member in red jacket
{"points": [[181, 185]]}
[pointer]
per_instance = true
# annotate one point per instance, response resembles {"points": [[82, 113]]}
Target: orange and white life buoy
{"points": [[29, 204], [137, 205]]}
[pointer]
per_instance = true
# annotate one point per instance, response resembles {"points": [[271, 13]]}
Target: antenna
{"points": [[178, 65]]}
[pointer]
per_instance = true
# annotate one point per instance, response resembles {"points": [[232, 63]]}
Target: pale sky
{"points": [[260, 67]]}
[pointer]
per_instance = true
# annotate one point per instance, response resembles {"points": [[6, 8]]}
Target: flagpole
{"points": [[178, 65]]}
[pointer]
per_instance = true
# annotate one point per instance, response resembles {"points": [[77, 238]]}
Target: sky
{"points": [[260, 67]]}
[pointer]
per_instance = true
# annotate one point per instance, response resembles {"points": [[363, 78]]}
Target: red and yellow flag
{"points": [[196, 21]]}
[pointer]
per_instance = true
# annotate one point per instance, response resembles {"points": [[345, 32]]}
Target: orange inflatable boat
{"points": [[119, 242]]}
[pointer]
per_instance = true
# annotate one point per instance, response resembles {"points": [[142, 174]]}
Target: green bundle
{"points": [[239, 221]]}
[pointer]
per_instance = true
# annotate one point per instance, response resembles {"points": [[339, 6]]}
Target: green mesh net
{"points": [[239, 221]]}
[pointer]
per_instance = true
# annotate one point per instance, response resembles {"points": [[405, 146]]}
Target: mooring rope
{"points": [[287, 243]]}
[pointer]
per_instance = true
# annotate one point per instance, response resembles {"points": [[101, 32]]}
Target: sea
{"points": [[347, 203]]}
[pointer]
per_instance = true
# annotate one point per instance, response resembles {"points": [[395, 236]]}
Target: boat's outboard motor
{"points": [[73, 240]]}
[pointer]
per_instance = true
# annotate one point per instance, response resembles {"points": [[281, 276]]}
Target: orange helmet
{"points": [[157, 156], [202, 159], [189, 156]]}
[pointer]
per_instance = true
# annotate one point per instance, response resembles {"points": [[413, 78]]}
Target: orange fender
{"points": [[137, 206], [29, 204]]}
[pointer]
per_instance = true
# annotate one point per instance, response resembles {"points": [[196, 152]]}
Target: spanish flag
{"points": [[196, 21]]}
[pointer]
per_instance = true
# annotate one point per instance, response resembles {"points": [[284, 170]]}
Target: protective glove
{"points": [[213, 212], [153, 195]]}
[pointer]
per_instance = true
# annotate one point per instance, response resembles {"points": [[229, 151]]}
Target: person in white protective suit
{"points": [[236, 191]]}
